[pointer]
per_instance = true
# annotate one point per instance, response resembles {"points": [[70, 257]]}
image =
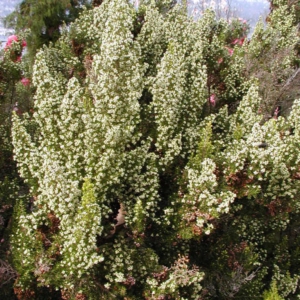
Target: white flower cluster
{"points": [[178, 276], [179, 91], [152, 40], [255, 160], [78, 141], [278, 39], [204, 196], [79, 249]]}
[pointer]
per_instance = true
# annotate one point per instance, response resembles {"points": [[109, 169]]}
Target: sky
{"points": [[249, 10]]}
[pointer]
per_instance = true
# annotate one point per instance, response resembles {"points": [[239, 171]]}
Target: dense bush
{"points": [[153, 170]]}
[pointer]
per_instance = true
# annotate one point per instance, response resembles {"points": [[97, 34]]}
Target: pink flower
{"points": [[220, 60], [238, 41], [230, 51], [212, 99], [241, 41], [25, 81], [235, 41], [276, 112], [10, 40], [14, 38], [19, 58]]}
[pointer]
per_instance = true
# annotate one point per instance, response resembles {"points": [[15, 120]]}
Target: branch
{"points": [[7, 273]]}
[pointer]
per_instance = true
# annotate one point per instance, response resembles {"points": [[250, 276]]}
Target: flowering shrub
{"points": [[11, 186], [152, 173], [15, 47]]}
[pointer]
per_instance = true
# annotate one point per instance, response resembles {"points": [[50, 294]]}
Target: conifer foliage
{"points": [[44, 19], [152, 170]]}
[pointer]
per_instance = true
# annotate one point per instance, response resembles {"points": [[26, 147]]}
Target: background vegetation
{"points": [[146, 155]]}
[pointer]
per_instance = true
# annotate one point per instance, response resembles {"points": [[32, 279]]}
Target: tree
{"points": [[44, 19], [153, 172]]}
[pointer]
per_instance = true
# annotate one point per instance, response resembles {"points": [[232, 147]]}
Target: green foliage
{"points": [[44, 19], [272, 294], [273, 59], [177, 282]]}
